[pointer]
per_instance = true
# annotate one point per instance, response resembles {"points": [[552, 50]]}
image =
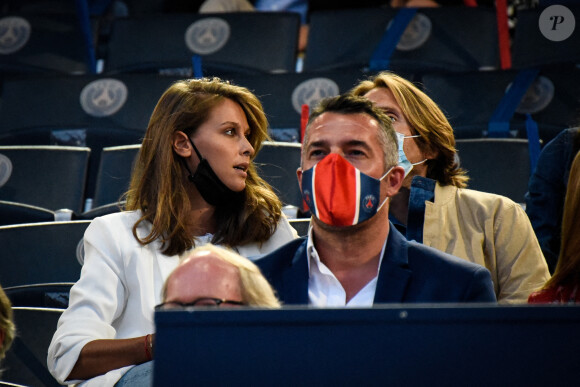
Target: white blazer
{"points": [[120, 284]]}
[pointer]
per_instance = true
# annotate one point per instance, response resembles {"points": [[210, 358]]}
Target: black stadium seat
{"points": [[52, 177], [224, 41], [42, 252], [437, 39]]}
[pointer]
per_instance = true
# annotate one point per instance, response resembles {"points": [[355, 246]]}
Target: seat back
{"points": [[276, 163], [469, 100], [44, 252], [300, 225], [114, 175], [224, 41], [49, 295], [25, 361], [282, 95], [42, 43], [94, 111], [87, 101], [15, 213], [546, 36], [52, 177], [437, 39], [496, 165]]}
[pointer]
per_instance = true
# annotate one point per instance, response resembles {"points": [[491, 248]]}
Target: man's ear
{"points": [[299, 176], [181, 144], [394, 180]]}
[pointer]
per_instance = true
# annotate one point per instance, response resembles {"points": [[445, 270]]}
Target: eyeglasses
{"points": [[204, 301]]}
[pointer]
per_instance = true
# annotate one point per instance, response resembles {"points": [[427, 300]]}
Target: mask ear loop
{"points": [[190, 177], [195, 149], [381, 179]]}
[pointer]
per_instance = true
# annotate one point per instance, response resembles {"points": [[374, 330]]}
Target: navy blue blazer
{"points": [[410, 272]]}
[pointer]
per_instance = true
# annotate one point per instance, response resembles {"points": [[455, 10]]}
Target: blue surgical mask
{"points": [[403, 161]]}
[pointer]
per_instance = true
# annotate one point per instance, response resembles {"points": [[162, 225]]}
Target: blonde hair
{"points": [[157, 186], [6, 323], [256, 290], [567, 270], [425, 119]]}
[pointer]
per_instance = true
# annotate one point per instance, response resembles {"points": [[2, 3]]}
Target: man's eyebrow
{"points": [[360, 143], [322, 143], [317, 144]]}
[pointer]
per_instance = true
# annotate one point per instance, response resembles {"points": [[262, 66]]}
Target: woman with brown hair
{"points": [[564, 285], [194, 182]]}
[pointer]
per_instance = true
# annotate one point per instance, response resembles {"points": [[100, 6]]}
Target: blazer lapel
{"points": [[394, 274], [295, 278]]}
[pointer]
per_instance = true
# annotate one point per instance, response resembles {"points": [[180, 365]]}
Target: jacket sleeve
{"points": [[96, 300], [546, 192], [521, 267], [481, 287]]}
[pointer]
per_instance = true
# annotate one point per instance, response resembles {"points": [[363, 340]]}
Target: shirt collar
{"points": [[313, 257]]}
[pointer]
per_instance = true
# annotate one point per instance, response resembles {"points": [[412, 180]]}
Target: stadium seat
{"points": [[36, 253], [300, 225], [91, 111], [114, 174], [437, 39], [496, 165], [546, 39], [470, 100], [49, 295], [43, 43], [102, 210], [282, 95], [276, 163], [52, 177], [25, 362], [16, 213], [224, 42]]}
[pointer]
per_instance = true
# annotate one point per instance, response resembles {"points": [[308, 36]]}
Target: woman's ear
{"points": [[181, 144]]}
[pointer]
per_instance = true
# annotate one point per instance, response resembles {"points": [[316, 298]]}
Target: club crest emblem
{"points": [[369, 203], [538, 96], [311, 91], [103, 97], [5, 169], [14, 34], [80, 251], [416, 33], [207, 36]]}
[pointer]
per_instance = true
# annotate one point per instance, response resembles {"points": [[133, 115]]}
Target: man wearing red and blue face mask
{"points": [[353, 256]]}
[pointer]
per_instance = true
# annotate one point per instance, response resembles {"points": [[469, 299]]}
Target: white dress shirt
{"points": [[324, 289]]}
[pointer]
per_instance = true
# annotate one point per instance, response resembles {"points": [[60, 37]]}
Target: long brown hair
{"points": [[157, 186], [425, 119], [568, 267]]}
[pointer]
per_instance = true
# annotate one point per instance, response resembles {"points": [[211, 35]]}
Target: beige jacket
{"points": [[490, 230]]}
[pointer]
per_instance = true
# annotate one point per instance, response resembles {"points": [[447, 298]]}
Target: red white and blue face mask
{"points": [[339, 194]]}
